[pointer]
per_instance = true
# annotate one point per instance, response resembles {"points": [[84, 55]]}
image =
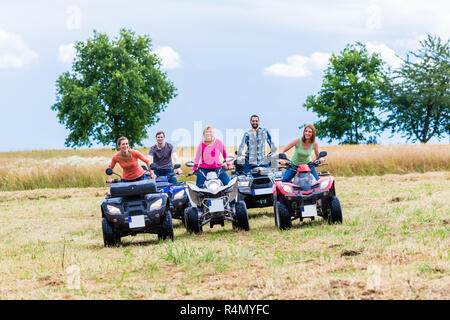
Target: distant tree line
{"points": [[360, 96]]}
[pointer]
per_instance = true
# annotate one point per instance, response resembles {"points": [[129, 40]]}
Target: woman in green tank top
{"points": [[302, 152]]}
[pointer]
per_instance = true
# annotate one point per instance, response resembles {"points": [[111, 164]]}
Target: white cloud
{"points": [[66, 53], [14, 52], [298, 66], [170, 59], [386, 53]]}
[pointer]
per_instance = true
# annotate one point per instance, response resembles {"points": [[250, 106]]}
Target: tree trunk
{"points": [[426, 126]]}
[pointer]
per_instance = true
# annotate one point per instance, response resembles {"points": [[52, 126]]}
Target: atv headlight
{"points": [[244, 183], [213, 186], [324, 184], [113, 210], [156, 205], [287, 189], [178, 195]]}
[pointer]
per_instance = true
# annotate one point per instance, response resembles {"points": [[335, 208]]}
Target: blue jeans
{"points": [[137, 179], [289, 174], [167, 173], [201, 179]]}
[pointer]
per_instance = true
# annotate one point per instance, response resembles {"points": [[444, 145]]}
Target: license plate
{"points": [[215, 205], [136, 221], [309, 211], [257, 192]]}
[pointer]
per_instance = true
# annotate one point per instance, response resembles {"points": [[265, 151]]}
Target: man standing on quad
{"points": [[164, 156], [255, 139]]}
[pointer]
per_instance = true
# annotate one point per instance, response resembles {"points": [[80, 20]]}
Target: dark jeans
{"points": [[201, 179], [289, 174], [169, 173], [137, 179]]}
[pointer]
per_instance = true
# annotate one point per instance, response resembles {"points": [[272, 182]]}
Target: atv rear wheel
{"points": [[110, 238], [191, 220], [242, 216], [336, 211], [282, 216]]}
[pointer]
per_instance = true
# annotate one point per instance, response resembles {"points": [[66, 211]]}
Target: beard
{"points": [[255, 126]]}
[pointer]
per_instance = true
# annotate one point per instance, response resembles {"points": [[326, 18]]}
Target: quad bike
{"points": [[305, 197], [176, 192], [255, 185], [135, 207], [214, 203]]}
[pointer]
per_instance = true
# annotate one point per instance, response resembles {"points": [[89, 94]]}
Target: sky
{"points": [[228, 59]]}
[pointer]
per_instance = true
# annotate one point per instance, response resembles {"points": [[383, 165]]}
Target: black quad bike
{"points": [[176, 192], [256, 185], [135, 207], [214, 203], [305, 197]]}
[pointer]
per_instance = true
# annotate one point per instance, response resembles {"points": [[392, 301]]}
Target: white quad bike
{"points": [[214, 203]]}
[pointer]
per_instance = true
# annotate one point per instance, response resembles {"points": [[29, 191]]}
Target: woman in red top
{"points": [[128, 160]]}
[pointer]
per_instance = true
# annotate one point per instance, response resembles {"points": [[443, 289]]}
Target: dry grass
{"points": [[393, 244], [27, 170]]}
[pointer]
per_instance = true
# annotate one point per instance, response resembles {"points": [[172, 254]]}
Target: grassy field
{"points": [[393, 244], [28, 170]]}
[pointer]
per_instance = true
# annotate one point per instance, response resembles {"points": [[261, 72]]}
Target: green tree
{"points": [[350, 95], [116, 88], [418, 99]]}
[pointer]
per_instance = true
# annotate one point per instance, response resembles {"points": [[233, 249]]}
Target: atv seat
{"points": [[136, 188]]}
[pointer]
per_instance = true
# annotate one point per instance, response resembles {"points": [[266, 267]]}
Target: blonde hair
{"points": [[204, 131]]}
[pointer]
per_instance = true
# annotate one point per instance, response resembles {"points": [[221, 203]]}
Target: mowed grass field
{"points": [[393, 244]]}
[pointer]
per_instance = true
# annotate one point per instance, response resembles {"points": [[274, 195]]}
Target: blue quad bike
{"points": [[176, 192], [135, 207]]}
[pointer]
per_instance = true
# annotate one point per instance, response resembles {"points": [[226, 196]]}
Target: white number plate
{"points": [[216, 205], [309, 211], [136, 221], [257, 192]]}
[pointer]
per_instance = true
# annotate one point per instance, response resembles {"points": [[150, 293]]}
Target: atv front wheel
{"points": [[282, 216], [242, 216], [166, 228], [110, 238], [336, 211], [191, 220]]}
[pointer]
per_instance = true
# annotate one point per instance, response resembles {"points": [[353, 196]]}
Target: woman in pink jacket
{"points": [[207, 157]]}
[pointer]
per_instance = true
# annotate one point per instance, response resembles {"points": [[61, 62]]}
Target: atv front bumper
{"points": [[256, 198]]}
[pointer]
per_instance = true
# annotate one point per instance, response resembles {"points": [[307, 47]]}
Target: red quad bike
{"points": [[305, 197]]}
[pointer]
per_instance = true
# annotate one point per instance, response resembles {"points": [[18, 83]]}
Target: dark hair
{"points": [[160, 132], [254, 116]]}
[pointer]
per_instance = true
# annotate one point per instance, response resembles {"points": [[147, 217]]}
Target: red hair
{"points": [[313, 135]]}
